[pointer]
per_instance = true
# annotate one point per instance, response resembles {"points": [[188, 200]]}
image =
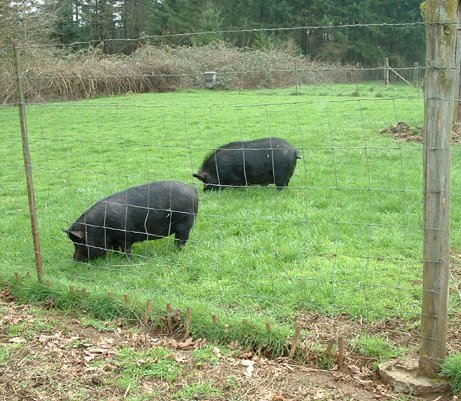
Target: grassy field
{"points": [[345, 237]]}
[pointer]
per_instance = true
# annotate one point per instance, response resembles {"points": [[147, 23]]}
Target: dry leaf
{"points": [[180, 359], [233, 345], [187, 343], [17, 340], [354, 369], [246, 355], [249, 367], [217, 352]]}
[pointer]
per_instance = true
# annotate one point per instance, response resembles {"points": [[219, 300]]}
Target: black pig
{"points": [[260, 162], [146, 212]]}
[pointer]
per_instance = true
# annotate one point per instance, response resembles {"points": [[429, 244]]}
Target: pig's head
{"points": [[85, 248], [210, 182]]}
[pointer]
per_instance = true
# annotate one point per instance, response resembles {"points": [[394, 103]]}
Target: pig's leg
{"points": [[181, 235]]}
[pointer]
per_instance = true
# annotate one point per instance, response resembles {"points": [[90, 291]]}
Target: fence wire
{"points": [[345, 236]]}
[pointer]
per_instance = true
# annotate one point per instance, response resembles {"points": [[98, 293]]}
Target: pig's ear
{"points": [[201, 176], [76, 234]]}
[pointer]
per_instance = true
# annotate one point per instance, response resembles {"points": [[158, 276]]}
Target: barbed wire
{"points": [[236, 31]]}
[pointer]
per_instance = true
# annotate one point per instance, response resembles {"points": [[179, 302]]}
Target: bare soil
{"points": [[403, 132], [56, 356]]}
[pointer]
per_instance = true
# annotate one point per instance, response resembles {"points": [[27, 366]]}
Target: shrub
{"points": [[59, 74]]}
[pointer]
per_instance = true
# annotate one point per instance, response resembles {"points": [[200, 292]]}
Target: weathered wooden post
{"points": [[440, 17], [28, 166], [457, 105]]}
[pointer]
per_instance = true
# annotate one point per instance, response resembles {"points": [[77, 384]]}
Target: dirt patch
{"points": [[47, 355], [323, 334], [403, 132]]}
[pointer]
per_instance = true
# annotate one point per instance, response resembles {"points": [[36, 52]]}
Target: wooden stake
{"points": [[126, 298], [109, 294], [28, 166], [72, 289], [215, 319], [18, 277], [329, 350], [294, 342], [169, 322], [84, 291], [340, 351], [188, 322], [147, 312]]}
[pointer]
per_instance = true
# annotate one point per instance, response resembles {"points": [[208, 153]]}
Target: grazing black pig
{"points": [[260, 162], [146, 212]]}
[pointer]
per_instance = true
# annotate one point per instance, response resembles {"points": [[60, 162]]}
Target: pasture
{"points": [[344, 237]]}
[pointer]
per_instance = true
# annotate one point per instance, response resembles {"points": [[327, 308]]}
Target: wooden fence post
{"points": [[457, 105], [28, 166], [440, 17]]}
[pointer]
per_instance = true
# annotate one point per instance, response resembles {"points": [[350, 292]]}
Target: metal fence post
{"points": [[386, 71], [416, 75], [440, 17], [28, 165]]}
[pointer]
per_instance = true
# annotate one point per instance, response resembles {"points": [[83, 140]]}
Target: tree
{"points": [[136, 20], [69, 27], [27, 21], [345, 31], [179, 17]]}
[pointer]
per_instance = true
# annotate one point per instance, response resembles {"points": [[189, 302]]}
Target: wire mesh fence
{"points": [[346, 234]]}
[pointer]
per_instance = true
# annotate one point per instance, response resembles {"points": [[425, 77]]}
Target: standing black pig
{"points": [[260, 162], [146, 212]]}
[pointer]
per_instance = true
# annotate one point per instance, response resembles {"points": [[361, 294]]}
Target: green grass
{"points": [[155, 363], [206, 354], [377, 347], [345, 237], [4, 353], [99, 324], [197, 391], [30, 328], [451, 368]]}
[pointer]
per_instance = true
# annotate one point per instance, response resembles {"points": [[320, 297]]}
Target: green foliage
{"points": [[156, 363], [4, 353], [7, 349], [99, 324], [365, 34], [197, 391], [29, 328], [451, 368], [377, 347], [204, 355]]}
